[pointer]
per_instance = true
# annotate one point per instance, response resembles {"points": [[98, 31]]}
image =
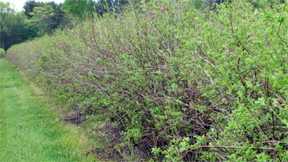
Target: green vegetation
{"points": [[39, 18], [2, 53], [29, 126], [174, 80]]}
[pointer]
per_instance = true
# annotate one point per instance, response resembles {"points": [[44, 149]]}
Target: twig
{"points": [[236, 147]]}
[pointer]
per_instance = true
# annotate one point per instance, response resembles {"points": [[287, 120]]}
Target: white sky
{"points": [[18, 4]]}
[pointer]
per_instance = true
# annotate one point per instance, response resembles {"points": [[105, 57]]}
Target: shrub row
{"points": [[178, 83], [2, 53]]}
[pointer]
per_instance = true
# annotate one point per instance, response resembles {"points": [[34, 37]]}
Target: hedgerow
{"points": [[2, 52], [178, 83]]}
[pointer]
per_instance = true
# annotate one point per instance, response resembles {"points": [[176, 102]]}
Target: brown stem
{"points": [[236, 147]]}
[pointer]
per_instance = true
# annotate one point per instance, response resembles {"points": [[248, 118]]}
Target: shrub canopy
{"points": [[2, 52]]}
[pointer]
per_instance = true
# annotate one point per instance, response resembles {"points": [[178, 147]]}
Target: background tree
{"points": [[6, 21], [104, 6], [29, 6], [58, 20], [46, 17], [19, 30], [41, 17], [13, 28], [79, 8], [38, 18]]}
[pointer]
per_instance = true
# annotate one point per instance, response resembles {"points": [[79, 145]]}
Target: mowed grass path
{"points": [[29, 127]]}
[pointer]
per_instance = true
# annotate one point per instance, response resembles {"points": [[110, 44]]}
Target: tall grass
{"points": [[179, 83]]}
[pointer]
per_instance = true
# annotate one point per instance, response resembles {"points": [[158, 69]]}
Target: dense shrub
{"points": [[2, 52], [180, 84]]}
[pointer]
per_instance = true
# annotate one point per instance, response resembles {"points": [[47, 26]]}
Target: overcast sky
{"points": [[18, 4]]}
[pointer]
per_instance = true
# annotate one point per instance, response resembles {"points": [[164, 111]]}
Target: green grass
{"points": [[29, 125]]}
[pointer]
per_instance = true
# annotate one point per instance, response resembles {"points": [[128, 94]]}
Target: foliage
{"points": [[13, 29], [80, 8], [2, 53], [6, 12], [77, 8], [41, 16], [46, 17], [37, 19], [29, 6], [104, 6], [179, 82]]}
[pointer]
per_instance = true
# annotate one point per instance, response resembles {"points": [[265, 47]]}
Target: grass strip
{"points": [[29, 125]]}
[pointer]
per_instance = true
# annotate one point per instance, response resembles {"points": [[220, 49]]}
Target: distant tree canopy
{"points": [[13, 29], [103, 6], [29, 6], [6, 13], [79, 8], [39, 18], [45, 17]]}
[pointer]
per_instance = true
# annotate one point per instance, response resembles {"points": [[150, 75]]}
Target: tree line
{"points": [[39, 18]]}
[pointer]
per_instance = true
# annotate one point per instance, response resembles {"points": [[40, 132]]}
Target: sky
{"points": [[18, 4]]}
